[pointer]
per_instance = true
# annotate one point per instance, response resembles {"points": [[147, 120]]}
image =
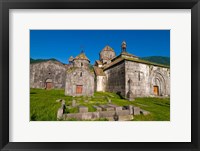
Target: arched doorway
{"points": [[156, 90], [48, 84], [158, 86]]}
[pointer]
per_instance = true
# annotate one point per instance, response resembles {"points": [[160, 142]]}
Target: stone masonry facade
{"points": [[124, 74]]}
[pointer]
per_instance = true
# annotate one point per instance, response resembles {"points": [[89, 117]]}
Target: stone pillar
{"points": [[60, 114], [130, 109]]}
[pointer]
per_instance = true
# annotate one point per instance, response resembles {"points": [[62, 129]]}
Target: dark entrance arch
{"points": [[48, 84]]}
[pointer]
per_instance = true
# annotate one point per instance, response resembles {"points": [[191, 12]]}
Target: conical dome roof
{"points": [[82, 56], [107, 48], [71, 58]]}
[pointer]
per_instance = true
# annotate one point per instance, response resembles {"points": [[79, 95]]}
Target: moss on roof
{"points": [[128, 54], [70, 70], [147, 62], [98, 71], [98, 62], [107, 48], [113, 63], [117, 60], [82, 56]]}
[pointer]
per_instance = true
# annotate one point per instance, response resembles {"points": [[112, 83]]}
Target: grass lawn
{"points": [[43, 105]]}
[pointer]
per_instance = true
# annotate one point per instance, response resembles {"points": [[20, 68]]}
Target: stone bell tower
{"points": [[123, 46]]}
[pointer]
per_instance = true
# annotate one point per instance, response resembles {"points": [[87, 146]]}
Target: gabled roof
{"points": [[117, 60], [81, 56], [98, 71], [107, 48], [128, 54], [120, 58], [98, 62]]}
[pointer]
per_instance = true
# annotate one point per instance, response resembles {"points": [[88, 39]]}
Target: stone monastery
{"points": [[125, 74]]}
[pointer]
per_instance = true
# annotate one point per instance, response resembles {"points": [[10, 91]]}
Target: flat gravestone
{"points": [[118, 108], [103, 107], [83, 109], [144, 112], [60, 114], [110, 109], [97, 108], [112, 105]]}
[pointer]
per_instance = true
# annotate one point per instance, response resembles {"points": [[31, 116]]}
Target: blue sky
{"points": [[61, 44]]}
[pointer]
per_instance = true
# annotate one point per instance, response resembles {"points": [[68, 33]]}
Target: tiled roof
{"points": [[147, 62], [98, 62], [114, 62], [82, 56], [119, 59], [128, 54], [107, 48], [98, 71]]}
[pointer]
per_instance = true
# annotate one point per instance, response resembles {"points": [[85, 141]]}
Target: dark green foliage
{"points": [[42, 60], [158, 59]]}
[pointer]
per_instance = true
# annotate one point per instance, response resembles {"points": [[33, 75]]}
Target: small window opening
{"points": [[139, 76], [81, 74], [81, 64]]}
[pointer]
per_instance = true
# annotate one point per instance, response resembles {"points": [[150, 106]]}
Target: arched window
{"points": [[139, 76], [81, 74], [81, 64]]}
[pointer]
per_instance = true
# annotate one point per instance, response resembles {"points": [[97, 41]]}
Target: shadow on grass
{"points": [[33, 117], [33, 93], [119, 94]]}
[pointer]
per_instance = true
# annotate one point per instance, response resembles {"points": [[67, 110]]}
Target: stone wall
{"points": [[79, 77], [140, 80], [106, 56], [116, 78], [42, 72], [101, 83], [81, 63]]}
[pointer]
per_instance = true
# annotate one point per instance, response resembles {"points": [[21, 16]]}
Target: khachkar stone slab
{"points": [[61, 110], [60, 114], [73, 103], [83, 109], [130, 107], [136, 110]]}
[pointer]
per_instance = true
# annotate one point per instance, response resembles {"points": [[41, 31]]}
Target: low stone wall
{"points": [[110, 112]]}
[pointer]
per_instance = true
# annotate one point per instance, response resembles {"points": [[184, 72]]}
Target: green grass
{"points": [[43, 105]]}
